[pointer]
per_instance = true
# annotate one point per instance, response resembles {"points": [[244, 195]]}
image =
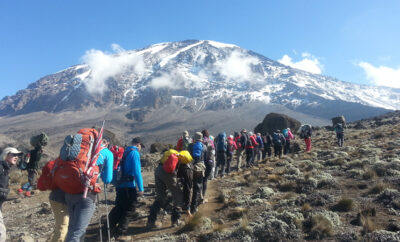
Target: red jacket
{"points": [[253, 142], [232, 144], [118, 152]]}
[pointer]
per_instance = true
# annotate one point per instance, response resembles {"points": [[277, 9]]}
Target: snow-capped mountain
{"points": [[198, 75]]}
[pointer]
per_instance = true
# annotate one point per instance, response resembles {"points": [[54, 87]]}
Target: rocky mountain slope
{"points": [[330, 194], [197, 75]]}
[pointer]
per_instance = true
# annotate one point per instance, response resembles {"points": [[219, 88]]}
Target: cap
{"points": [[137, 140], [185, 133], [243, 131], [11, 150], [250, 133], [198, 136]]}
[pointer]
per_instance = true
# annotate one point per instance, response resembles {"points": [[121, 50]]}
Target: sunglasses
{"points": [[14, 155]]}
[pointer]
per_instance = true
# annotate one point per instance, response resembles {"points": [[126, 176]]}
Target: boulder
{"points": [[274, 121], [160, 147]]}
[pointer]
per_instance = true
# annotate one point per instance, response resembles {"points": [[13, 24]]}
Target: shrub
{"points": [[237, 213], [319, 227], [287, 187], [377, 189], [343, 205]]}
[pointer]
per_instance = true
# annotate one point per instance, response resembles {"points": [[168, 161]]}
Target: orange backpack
{"points": [[170, 164], [75, 158]]}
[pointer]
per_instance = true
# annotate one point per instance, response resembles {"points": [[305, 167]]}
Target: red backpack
{"points": [[170, 164], [74, 162], [45, 181]]}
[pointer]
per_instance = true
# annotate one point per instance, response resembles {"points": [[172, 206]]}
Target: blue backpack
{"points": [[197, 150], [276, 139], [285, 133], [221, 142]]}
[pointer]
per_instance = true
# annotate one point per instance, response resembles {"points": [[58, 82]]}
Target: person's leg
{"points": [[188, 184], [239, 158], [80, 212], [228, 163], [130, 210], [161, 195], [31, 179], [197, 182], [206, 176], [117, 211], [61, 218]]}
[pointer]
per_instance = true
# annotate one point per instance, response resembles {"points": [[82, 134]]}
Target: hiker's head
{"points": [[231, 136], [205, 133], [243, 131], [105, 142], [258, 134], [250, 133], [137, 142], [198, 136], [277, 131], [10, 155], [185, 134]]}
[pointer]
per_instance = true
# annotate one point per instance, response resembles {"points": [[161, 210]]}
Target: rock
{"points": [[45, 208], [316, 199], [274, 121], [264, 192], [160, 147], [383, 235]]}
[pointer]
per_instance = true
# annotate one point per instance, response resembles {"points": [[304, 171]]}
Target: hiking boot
{"points": [[176, 223], [151, 225], [28, 194]]}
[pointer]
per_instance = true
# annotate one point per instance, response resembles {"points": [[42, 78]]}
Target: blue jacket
{"points": [[260, 142], [132, 168], [105, 162]]}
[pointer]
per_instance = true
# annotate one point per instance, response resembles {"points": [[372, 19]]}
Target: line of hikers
{"points": [[184, 173]]}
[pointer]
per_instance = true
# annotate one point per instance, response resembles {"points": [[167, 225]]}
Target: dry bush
{"points": [[18, 177], [306, 207], [288, 186], [237, 213], [251, 179], [378, 188], [192, 224], [343, 205], [318, 227], [378, 135], [369, 174], [274, 178], [336, 162]]}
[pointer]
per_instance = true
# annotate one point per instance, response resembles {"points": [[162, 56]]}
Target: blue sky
{"points": [[354, 41]]}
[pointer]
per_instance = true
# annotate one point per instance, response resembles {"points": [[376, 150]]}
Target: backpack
{"points": [[231, 147], [285, 133], [197, 150], [276, 139], [39, 140], [339, 128], [46, 181], [170, 164], [167, 154], [23, 164], [73, 167], [221, 144], [185, 157], [118, 173], [305, 131], [210, 148]]}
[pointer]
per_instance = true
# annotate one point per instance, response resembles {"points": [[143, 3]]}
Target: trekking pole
{"points": [[108, 222], [100, 230]]}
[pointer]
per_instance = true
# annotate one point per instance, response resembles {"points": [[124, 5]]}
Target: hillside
{"points": [[331, 194]]}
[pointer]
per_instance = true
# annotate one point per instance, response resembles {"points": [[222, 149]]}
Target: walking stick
{"points": [[108, 222], [100, 230]]}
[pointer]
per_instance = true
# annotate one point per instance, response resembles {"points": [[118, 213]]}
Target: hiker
{"points": [[32, 166], [306, 133], [60, 211], [126, 190], [267, 140], [80, 209], [279, 142], [241, 147], [199, 153], [183, 141], [208, 140], [8, 158], [229, 153], [221, 149], [287, 133], [165, 181], [250, 144], [259, 149], [339, 128]]}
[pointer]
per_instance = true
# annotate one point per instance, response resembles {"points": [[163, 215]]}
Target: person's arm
{"points": [[137, 170]]}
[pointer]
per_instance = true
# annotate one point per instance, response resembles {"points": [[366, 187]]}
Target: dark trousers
{"points": [[228, 162], [31, 177], [286, 149], [340, 139], [278, 150], [186, 177], [209, 167], [221, 160], [250, 156], [267, 151], [124, 210], [197, 189]]}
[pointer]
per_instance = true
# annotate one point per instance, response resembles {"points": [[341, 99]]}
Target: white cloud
{"points": [[106, 65], [382, 75], [309, 63], [237, 67], [174, 80]]}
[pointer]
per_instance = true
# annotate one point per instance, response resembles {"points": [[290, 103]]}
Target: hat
{"points": [[243, 131], [9, 150], [231, 136], [250, 133], [198, 136], [137, 140], [185, 133]]}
